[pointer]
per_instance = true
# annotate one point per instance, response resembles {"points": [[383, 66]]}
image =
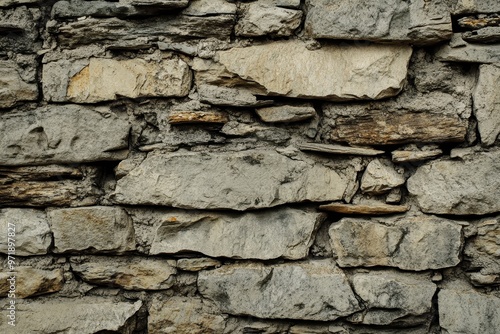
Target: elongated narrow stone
{"points": [[364, 209], [232, 180], [487, 103], [334, 72], [338, 149], [314, 290], [189, 117]]}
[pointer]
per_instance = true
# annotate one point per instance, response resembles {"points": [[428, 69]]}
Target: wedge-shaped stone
{"points": [[364, 209], [338, 149], [286, 113], [62, 134], [262, 235], [31, 282], [393, 297], [334, 72], [184, 315], [405, 242], [13, 88], [415, 155], [314, 290], [84, 316], [232, 180], [29, 229], [260, 19], [468, 312], [380, 177], [93, 229], [132, 273], [197, 263], [106, 79], [484, 35], [459, 187], [415, 21], [231, 97], [460, 51], [487, 103]]}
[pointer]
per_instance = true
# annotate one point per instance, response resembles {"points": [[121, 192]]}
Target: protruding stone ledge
{"points": [[197, 117], [338, 149]]}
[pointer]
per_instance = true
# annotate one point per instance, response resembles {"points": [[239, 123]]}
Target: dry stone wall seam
{"points": [[250, 166]]}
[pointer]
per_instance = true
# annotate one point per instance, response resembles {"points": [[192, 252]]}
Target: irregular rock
{"points": [[209, 7], [415, 155], [393, 297], [62, 134], [468, 312], [197, 264], [189, 117], [224, 96], [460, 51], [482, 252], [184, 315], [338, 149], [487, 103], [314, 290], [232, 180], [364, 209], [31, 282], [132, 273], [286, 68], [72, 316], [479, 21], [405, 242], [105, 79], [394, 196], [416, 21], [286, 113], [458, 187], [116, 32], [159, 3], [287, 233], [476, 6], [31, 231], [380, 176], [19, 30], [92, 229], [13, 88], [9, 3], [485, 35], [260, 19]]}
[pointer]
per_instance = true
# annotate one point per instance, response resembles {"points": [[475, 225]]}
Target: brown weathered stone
{"points": [[338, 149], [197, 264], [31, 282], [471, 22], [187, 117], [364, 209], [411, 155]]}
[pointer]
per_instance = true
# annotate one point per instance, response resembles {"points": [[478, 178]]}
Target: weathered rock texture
{"points": [[244, 166]]}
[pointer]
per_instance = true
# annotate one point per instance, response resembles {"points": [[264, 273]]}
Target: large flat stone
{"points": [[106, 79], [468, 312], [393, 297], [62, 134], [31, 231], [334, 72], [31, 282], [183, 315], [265, 235], [132, 273], [405, 242], [415, 21], [13, 88], [84, 316], [458, 187], [92, 229], [314, 290], [487, 103], [232, 180]]}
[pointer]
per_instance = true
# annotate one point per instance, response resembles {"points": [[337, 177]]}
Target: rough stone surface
{"points": [[476, 6], [84, 316], [487, 103], [259, 19], [224, 96], [130, 274], [190, 117], [32, 282], [12, 86], [415, 155], [265, 235], [405, 242], [468, 312], [287, 68], [106, 79], [393, 297], [62, 134], [183, 315], [380, 176], [209, 7], [364, 209], [197, 264], [458, 187], [91, 229], [417, 21], [338, 149], [30, 228], [314, 290], [239, 181], [8, 3], [484, 35], [286, 113], [459, 50]]}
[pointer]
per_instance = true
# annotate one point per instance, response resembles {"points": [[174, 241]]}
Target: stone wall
{"points": [[272, 166]]}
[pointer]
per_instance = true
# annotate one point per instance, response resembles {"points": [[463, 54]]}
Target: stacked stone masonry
{"points": [[242, 166]]}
